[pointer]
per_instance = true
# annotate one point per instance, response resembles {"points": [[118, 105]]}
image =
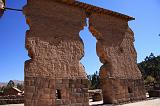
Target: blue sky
{"points": [[12, 34]]}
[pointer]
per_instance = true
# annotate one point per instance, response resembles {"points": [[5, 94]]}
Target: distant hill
{"points": [[3, 84], [15, 81], [18, 81]]}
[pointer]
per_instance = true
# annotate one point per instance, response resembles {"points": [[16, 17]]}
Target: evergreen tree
{"points": [[94, 80], [150, 68], [20, 87], [10, 84]]}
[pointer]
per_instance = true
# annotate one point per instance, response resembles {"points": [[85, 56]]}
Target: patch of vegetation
{"points": [[150, 69], [11, 84], [94, 81]]}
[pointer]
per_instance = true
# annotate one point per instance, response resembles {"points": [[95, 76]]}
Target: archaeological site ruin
{"points": [[54, 75]]}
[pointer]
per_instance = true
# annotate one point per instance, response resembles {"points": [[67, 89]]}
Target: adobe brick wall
{"points": [[115, 48], [55, 49]]}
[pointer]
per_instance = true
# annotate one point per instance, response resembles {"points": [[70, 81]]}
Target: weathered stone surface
{"points": [[116, 51], [55, 49], [54, 75], [53, 46]]}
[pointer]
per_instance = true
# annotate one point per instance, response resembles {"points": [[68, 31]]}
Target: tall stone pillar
{"points": [[54, 75], [121, 80]]}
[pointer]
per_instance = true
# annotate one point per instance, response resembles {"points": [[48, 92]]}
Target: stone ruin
{"points": [[54, 75]]}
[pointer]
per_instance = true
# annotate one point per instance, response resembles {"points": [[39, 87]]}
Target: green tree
{"points": [[150, 68], [2, 89], [20, 86], [149, 79], [10, 84], [94, 80]]}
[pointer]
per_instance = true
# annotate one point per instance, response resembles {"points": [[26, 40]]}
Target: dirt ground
{"points": [[13, 105], [151, 102]]}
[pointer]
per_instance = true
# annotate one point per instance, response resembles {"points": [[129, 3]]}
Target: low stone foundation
{"points": [[11, 99], [154, 93], [116, 91], [56, 92]]}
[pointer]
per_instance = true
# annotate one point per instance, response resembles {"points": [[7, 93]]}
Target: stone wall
{"points": [[55, 49], [11, 99], [120, 77], [54, 75]]}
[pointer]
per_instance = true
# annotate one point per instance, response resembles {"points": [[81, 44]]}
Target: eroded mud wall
{"points": [[54, 75], [121, 79]]}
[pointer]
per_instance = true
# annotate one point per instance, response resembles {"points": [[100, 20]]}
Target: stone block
{"points": [[59, 81], [52, 84], [154, 93], [65, 81], [30, 89], [28, 95]]}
